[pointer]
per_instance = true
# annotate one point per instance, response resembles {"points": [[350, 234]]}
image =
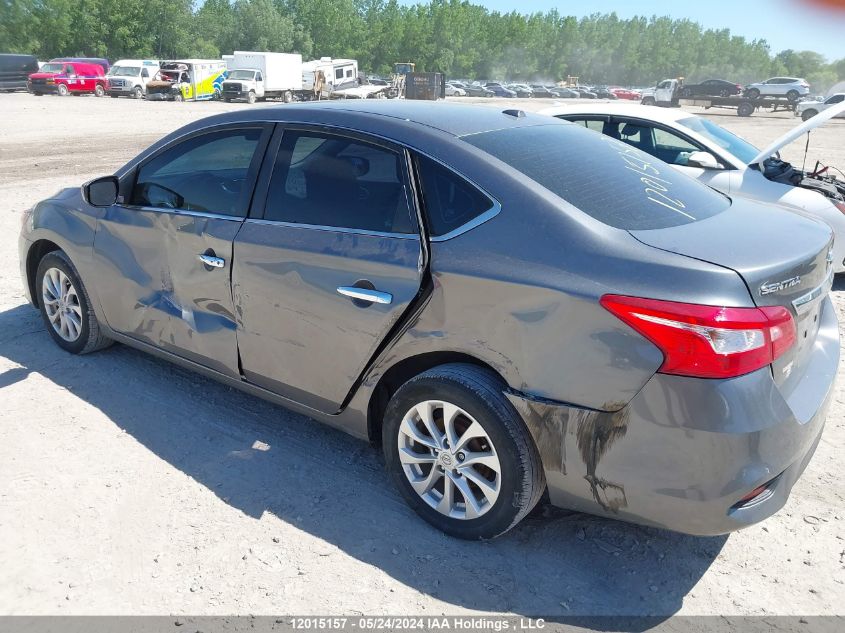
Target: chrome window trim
{"points": [[333, 229], [185, 212], [476, 221]]}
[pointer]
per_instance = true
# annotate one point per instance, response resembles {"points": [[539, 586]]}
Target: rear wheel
{"points": [[287, 96], [99, 91], [745, 109], [753, 93], [62, 90], [65, 306], [792, 96], [460, 454], [724, 92], [806, 115]]}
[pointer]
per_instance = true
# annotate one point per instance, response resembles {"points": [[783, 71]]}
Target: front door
{"points": [[165, 253], [327, 268]]}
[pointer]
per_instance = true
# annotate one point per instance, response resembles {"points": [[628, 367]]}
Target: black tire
{"points": [[114, 96], [479, 392], [745, 109], [648, 101], [806, 115], [62, 90], [753, 93], [99, 91], [137, 92], [287, 96], [91, 337], [792, 96], [227, 99], [251, 98]]}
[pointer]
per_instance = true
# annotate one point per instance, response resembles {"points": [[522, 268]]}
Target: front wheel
{"points": [[99, 91], [65, 306], [250, 98], [648, 101], [460, 454], [808, 114], [137, 92], [62, 90]]}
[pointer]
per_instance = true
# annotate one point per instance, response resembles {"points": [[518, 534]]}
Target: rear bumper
{"points": [[684, 452]]}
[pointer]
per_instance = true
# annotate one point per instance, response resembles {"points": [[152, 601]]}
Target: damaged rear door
{"points": [[165, 250]]}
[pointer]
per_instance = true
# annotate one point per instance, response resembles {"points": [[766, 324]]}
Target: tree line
{"points": [[457, 37]]}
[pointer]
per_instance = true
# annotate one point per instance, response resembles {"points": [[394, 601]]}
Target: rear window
{"points": [[605, 178]]}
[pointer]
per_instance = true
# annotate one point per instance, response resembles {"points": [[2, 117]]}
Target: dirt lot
{"points": [[128, 485]]}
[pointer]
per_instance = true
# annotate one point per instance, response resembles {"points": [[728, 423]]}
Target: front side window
{"points": [[729, 141], [335, 181], [207, 173]]}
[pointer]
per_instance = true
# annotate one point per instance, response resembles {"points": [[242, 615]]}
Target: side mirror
{"points": [[704, 160], [101, 192]]}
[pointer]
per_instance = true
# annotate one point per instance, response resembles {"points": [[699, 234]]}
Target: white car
{"points": [[793, 88], [454, 91], [809, 109], [704, 150]]}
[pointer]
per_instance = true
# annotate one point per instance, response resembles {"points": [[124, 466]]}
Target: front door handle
{"points": [[211, 260], [365, 294]]}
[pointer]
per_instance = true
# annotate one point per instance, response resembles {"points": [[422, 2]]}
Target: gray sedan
{"points": [[510, 305]]}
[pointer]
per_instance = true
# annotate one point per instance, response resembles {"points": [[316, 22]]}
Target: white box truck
{"points": [[253, 76], [129, 77]]}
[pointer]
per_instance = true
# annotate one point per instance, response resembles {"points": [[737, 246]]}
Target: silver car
{"points": [[510, 305], [793, 88]]}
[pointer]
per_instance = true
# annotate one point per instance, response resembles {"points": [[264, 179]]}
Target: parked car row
{"points": [[510, 305], [536, 90]]}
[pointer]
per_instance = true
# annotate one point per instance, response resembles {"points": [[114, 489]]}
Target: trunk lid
{"points": [[784, 258]]}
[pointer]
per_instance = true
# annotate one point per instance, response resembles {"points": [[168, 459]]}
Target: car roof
{"points": [[652, 113], [453, 119]]}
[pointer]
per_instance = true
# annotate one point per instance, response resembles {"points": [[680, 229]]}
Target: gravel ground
{"points": [[130, 486]]}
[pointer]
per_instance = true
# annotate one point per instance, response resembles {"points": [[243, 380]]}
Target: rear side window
{"points": [[608, 180], [334, 181], [449, 200]]}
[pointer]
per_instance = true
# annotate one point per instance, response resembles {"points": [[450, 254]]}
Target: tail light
{"points": [[840, 206], [707, 341]]}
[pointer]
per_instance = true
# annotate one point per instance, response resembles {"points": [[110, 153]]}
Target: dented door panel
{"points": [[157, 289]]}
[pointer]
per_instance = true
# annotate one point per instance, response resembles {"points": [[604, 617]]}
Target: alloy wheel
{"points": [[449, 460], [61, 303]]}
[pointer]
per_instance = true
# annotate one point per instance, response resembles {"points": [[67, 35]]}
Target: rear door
{"points": [[164, 252], [327, 267]]}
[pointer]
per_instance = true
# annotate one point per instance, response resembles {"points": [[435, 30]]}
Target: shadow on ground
{"points": [[335, 488]]}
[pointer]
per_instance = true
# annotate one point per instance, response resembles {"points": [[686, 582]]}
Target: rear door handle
{"points": [[211, 260], [365, 294]]}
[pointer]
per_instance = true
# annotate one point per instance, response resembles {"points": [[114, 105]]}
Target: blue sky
{"points": [[783, 24]]}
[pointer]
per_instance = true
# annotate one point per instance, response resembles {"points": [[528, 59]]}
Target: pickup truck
{"points": [[809, 109]]}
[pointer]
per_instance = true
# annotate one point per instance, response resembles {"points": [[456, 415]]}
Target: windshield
{"points": [[125, 71], [241, 74], [605, 178], [728, 141], [51, 68]]}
